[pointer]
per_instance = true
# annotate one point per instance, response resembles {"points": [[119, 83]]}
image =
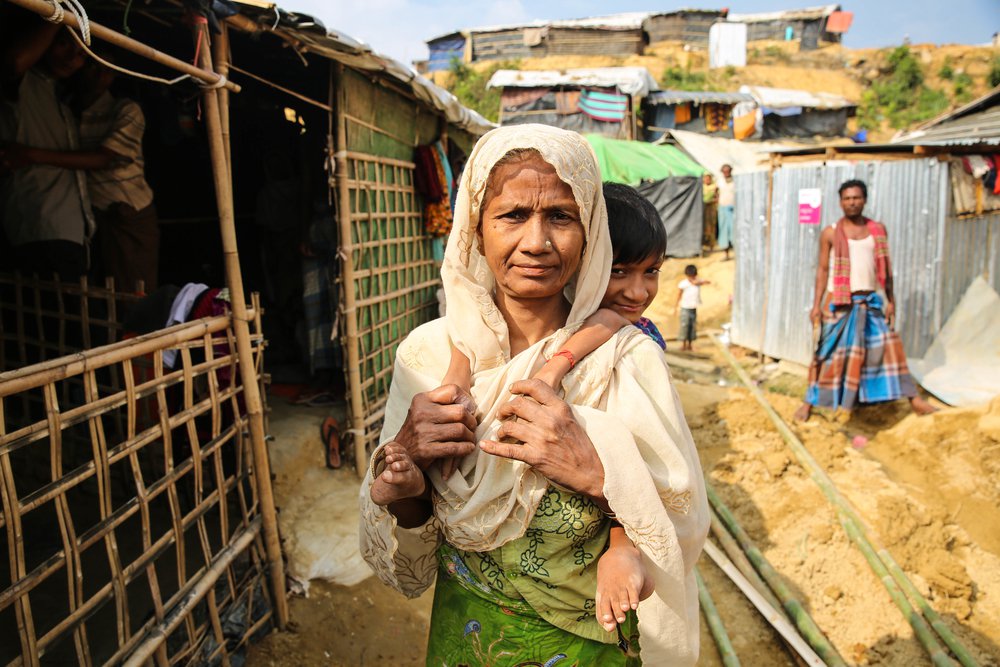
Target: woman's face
{"points": [[530, 229]]}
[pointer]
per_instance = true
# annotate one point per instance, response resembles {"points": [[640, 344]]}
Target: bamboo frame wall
{"points": [[388, 276], [194, 623], [158, 545]]}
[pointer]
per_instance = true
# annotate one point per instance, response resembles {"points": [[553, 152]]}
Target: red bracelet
{"points": [[569, 357]]}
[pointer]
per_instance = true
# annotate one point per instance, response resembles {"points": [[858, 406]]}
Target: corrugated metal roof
{"points": [[628, 80], [980, 128], [315, 37], [783, 98], [804, 14], [698, 97]]}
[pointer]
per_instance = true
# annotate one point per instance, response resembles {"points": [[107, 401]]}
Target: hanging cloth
{"points": [[608, 107]]}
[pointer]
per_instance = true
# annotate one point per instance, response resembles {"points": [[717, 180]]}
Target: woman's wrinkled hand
{"points": [[438, 425], [554, 443]]}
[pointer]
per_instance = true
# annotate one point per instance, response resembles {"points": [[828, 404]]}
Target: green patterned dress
{"points": [[531, 601]]}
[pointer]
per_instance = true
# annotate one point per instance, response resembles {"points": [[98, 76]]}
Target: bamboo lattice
{"points": [[393, 277], [141, 547]]}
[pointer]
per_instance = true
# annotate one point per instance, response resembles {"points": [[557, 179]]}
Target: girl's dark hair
{"points": [[637, 233]]}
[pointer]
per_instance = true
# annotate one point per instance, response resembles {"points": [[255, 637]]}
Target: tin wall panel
{"points": [[909, 196], [749, 234]]}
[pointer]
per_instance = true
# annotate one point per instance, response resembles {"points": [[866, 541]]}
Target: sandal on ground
{"points": [[330, 434]]}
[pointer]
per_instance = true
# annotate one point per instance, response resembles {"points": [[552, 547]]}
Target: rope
{"points": [[117, 68]]}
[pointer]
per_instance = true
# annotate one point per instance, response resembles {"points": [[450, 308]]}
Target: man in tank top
{"points": [[859, 358]]}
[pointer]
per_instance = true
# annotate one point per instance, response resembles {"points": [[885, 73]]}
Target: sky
{"points": [[400, 28]]}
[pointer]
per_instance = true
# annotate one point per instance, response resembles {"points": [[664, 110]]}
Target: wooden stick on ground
{"points": [[889, 573], [803, 621], [772, 615], [715, 626]]}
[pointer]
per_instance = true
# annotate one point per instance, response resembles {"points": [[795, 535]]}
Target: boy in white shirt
{"points": [[689, 298]]}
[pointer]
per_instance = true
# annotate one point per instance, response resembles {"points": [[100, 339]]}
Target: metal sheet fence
{"points": [[749, 239], [910, 197], [972, 249]]}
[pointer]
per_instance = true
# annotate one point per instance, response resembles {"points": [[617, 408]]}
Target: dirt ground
{"points": [[928, 488]]}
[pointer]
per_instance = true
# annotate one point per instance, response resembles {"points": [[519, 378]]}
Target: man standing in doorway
{"points": [[727, 208], [859, 358]]}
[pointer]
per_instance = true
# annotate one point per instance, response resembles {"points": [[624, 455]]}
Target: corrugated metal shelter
{"points": [[575, 99], [936, 251], [704, 112], [800, 113], [809, 25]]}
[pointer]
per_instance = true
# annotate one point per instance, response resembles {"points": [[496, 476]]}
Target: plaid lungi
{"points": [[859, 359]]}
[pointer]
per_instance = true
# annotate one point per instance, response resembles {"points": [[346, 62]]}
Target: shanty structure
{"points": [[136, 510], [666, 177], [704, 112], [615, 35], [808, 25], [785, 113], [935, 191], [600, 100], [687, 26]]}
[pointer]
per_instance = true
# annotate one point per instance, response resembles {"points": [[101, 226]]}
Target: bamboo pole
{"points": [[741, 562], [45, 10], [241, 329], [715, 626], [803, 621], [222, 56], [891, 576], [802, 646], [144, 652], [349, 312]]}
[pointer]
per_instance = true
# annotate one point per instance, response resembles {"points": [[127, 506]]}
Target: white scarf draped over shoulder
{"points": [[621, 394]]}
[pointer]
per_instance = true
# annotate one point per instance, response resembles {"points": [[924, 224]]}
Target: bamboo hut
{"points": [[136, 510]]}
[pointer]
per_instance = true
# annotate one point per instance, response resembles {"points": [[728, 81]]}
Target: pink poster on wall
{"points": [[810, 200]]}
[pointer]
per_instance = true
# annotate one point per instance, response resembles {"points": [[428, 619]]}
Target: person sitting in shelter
{"points": [[45, 209], [859, 358]]}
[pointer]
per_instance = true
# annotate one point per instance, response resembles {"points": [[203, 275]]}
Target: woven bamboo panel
{"points": [[395, 279], [147, 543]]}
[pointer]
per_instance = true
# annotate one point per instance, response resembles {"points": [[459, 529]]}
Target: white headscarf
{"points": [[475, 324]]}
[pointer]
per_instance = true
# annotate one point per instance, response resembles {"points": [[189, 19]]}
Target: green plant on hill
{"points": [[682, 78], [901, 97], [947, 71], [469, 86], [963, 88], [994, 76]]}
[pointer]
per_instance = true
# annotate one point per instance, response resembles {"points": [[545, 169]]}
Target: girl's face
{"points": [[633, 287]]}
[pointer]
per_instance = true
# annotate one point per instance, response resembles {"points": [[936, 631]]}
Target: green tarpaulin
{"points": [[631, 162]]}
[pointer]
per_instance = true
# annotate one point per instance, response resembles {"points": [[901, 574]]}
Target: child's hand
{"points": [[621, 584]]}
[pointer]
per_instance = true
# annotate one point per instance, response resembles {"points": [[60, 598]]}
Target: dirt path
{"points": [[928, 487]]}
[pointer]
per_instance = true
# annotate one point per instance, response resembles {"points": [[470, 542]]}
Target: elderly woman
{"points": [[513, 537]]}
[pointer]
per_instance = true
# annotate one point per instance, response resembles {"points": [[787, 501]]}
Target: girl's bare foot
{"points": [[921, 406], [400, 479], [803, 413], [621, 584]]}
